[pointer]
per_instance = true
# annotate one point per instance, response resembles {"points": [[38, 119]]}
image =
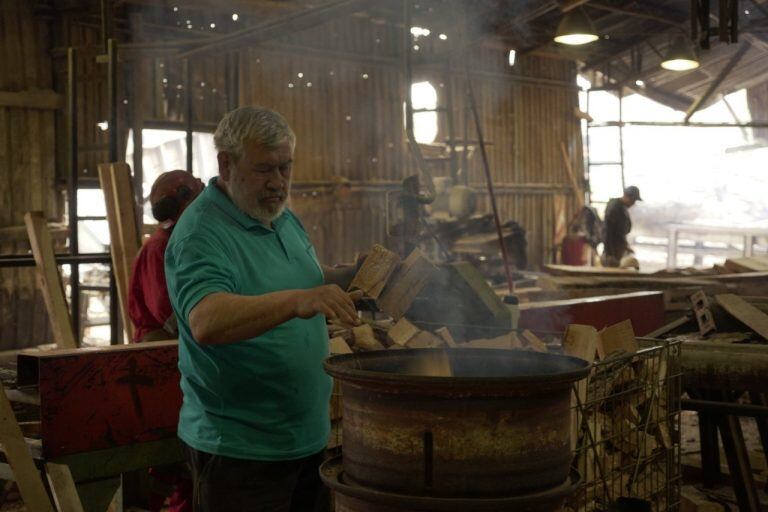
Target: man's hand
{"points": [[328, 300]]}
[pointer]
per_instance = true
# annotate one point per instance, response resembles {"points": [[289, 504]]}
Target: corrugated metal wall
{"points": [[348, 116]]}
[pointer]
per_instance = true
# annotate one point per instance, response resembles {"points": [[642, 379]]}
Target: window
{"points": [[424, 96]]}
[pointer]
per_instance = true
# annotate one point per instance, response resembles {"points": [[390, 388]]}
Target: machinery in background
{"points": [[448, 228]]}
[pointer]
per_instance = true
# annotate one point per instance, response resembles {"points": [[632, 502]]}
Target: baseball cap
{"points": [[633, 192]]}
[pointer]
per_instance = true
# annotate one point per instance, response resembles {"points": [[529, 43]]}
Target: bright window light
{"points": [[512, 57], [418, 32], [424, 96]]}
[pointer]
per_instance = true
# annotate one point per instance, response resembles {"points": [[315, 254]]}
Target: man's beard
{"points": [[264, 212]]}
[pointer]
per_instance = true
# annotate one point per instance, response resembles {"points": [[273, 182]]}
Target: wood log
{"points": [[364, 338], [501, 342], [581, 341], [617, 337], [424, 339], [402, 332], [338, 345], [445, 334], [533, 342], [406, 283], [375, 271]]}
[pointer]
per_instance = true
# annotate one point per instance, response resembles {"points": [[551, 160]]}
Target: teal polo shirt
{"points": [[263, 398]]}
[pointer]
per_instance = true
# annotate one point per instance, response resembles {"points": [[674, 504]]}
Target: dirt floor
{"points": [[721, 497]]}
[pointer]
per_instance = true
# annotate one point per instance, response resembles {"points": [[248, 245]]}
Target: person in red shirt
{"points": [[151, 313], [148, 303]]}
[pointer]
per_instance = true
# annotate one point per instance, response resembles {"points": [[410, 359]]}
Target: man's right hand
{"points": [[328, 300]]}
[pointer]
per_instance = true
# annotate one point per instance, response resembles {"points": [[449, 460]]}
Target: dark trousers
{"points": [[224, 484]]}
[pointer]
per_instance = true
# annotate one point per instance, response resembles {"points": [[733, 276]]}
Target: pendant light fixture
{"points": [[576, 28], [680, 56]]}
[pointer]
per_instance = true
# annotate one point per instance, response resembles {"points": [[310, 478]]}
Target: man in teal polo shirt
{"points": [[251, 301]]}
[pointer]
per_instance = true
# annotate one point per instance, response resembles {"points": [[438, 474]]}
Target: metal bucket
{"points": [[352, 498], [457, 422]]}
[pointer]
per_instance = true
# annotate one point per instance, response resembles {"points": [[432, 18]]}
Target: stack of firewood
{"points": [[625, 426]]}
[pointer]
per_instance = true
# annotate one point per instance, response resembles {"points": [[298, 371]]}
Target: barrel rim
{"points": [[332, 473], [333, 366]]}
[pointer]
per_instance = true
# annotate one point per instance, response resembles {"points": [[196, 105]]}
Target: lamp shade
{"points": [[680, 56], [576, 28]]}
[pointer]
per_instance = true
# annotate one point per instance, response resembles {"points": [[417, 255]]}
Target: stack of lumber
{"points": [[623, 431], [741, 276]]}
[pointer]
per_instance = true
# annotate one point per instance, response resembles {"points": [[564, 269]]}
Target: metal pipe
{"points": [[725, 408], [29, 261], [489, 180], [74, 244], [188, 111], [114, 332]]}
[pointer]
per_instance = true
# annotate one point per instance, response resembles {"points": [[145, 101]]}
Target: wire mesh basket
{"points": [[626, 430]]}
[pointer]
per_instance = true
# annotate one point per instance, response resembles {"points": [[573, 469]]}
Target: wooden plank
{"points": [[50, 280], [63, 487], [577, 192], [745, 313], [17, 453], [752, 264], [671, 326], [35, 99], [115, 245]]}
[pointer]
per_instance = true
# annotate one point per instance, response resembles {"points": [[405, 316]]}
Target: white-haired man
{"points": [[251, 301]]}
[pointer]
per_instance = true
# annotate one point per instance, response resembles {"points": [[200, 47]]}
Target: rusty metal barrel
{"points": [[353, 498], [469, 423]]}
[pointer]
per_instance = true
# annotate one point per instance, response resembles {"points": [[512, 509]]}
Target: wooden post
{"points": [[49, 280]]}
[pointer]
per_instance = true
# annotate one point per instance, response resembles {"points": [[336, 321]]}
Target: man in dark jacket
{"points": [[617, 227]]}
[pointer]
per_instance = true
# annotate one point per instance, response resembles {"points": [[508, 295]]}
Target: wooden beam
{"points": [[569, 5], [49, 280], [25, 473], [714, 84], [40, 99], [636, 14], [291, 23]]}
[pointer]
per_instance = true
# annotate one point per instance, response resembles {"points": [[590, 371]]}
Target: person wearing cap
{"points": [[252, 299], [617, 226], [149, 307]]}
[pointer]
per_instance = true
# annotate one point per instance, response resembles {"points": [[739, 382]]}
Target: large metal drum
{"points": [[351, 498], [456, 423]]}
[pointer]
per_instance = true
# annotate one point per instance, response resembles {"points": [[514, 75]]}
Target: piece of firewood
{"points": [[581, 341], [338, 345], [663, 436], [364, 338], [375, 271], [402, 332], [501, 342], [405, 284], [445, 334], [424, 339], [617, 337], [533, 342]]}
